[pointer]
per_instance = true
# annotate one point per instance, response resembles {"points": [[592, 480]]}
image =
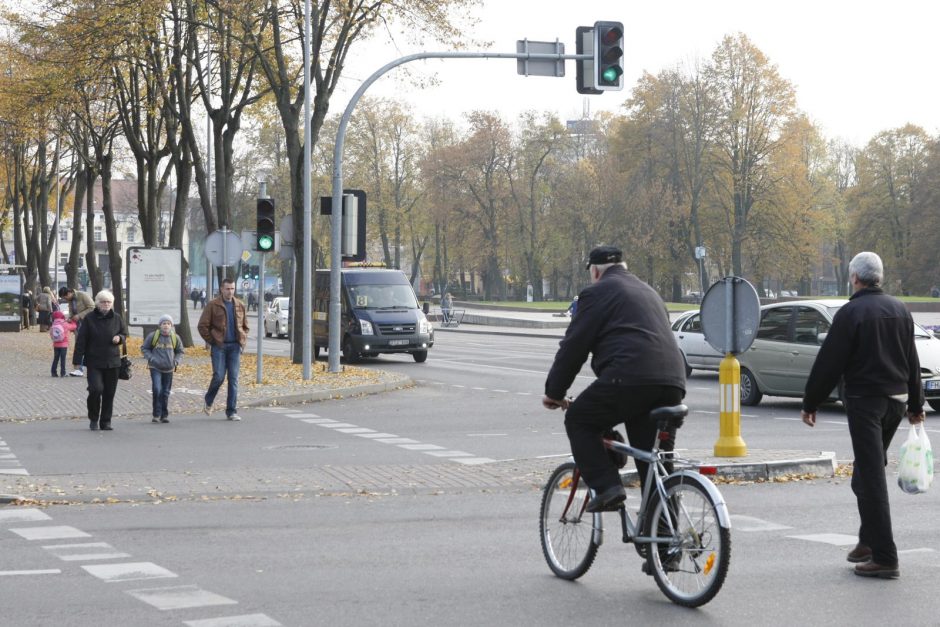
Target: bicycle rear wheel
{"points": [[566, 530], [690, 559]]}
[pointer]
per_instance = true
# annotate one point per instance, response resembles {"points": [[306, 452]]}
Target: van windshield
{"points": [[382, 297]]}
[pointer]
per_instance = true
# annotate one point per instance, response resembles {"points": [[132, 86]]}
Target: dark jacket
{"points": [[93, 341], [623, 322], [214, 320], [871, 346]]}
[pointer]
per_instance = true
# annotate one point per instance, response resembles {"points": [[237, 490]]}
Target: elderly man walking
{"points": [[871, 346]]}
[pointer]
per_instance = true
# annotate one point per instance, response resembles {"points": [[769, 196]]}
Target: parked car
{"points": [[788, 339], [277, 317]]}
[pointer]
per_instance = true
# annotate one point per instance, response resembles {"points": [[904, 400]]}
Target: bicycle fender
{"points": [[724, 519]]}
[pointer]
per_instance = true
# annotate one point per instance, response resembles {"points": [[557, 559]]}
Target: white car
{"points": [[789, 336], [277, 317]]}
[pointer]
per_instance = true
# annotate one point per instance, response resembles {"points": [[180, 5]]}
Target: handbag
{"points": [[915, 461], [125, 371]]}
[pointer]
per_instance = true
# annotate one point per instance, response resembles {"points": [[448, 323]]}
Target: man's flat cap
{"points": [[604, 254]]}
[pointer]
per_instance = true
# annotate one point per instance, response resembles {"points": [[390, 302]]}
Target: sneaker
{"points": [[76, 373], [872, 569], [207, 409], [234, 417], [155, 419], [860, 553], [164, 419]]}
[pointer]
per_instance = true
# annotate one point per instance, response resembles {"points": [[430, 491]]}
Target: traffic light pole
{"points": [[336, 225], [259, 305]]}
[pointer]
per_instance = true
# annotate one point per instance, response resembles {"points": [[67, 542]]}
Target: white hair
{"points": [[867, 266], [104, 295]]}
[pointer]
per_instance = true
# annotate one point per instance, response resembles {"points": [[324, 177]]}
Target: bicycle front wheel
{"points": [[690, 556], [566, 529]]}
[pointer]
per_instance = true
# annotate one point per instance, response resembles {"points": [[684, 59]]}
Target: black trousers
{"points": [[102, 384], [873, 422], [603, 406]]}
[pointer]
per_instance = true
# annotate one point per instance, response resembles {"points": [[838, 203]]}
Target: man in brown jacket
{"points": [[224, 327]]}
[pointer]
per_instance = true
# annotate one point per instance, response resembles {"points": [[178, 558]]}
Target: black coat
{"points": [[871, 346], [93, 342], [623, 322]]}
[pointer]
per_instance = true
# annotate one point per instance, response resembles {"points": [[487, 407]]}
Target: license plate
{"points": [[932, 384], [398, 342]]}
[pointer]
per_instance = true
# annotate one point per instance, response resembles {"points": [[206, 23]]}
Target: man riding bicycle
{"points": [[623, 323]]}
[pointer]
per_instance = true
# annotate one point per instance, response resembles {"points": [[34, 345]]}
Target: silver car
{"points": [[788, 338], [277, 318]]}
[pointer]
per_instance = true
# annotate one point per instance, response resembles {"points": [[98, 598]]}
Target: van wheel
{"points": [[750, 393], [934, 404], [420, 356], [688, 368], [266, 332], [351, 355]]}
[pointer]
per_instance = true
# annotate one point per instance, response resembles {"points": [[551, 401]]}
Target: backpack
{"points": [[174, 340], [57, 331]]}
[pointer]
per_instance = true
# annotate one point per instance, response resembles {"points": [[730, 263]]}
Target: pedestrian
{"points": [[164, 351], [447, 303], [194, 296], [202, 297], [80, 305], [252, 301], [97, 346], [59, 332], [870, 347], [45, 305], [224, 326], [26, 308], [622, 322]]}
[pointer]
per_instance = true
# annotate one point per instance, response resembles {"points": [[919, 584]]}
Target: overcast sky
{"points": [[858, 68]]}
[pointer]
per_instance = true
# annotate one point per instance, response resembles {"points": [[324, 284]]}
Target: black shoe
{"points": [[607, 501], [154, 419], [872, 569], [860, 553], [93, 426], [164, 419], [107, 427]]}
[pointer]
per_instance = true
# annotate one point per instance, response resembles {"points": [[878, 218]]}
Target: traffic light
{"points": [[245, 270], [255, 272], [608, 56], [264, 229], [584, 68]]}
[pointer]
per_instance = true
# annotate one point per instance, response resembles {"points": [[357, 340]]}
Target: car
{"points": [[277, 317], [788, 338]]}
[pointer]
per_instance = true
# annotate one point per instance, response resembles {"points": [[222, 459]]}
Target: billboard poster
{"points": [[10, 298], [154, 285]]}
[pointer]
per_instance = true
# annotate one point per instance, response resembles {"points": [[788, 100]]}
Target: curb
{"points": [[823, 466], [325, 395], [491, 331], [7, 499]]}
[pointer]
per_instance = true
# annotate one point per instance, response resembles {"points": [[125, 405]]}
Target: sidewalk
{"points": [[28, 392]]}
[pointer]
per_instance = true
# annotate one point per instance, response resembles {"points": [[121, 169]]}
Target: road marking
{"points": [[13, 471], [17, 573], [749, 523], [356, 430], [303, 415], [473, 461], [454, 385], [485, 435], [50, 533], [180, 597], [30, 514], [838, 539], [317, 421], [377, 435], [281, 410], [129, 571], [449, 453], [396, 440], [334, 425], [921, 550], [245, 620], [785, 418], [478, 389], [82, 551], [421, 447], [7, 456]]}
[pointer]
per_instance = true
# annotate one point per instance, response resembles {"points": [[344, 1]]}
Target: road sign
{"points": [[245, 285], [730, 315], [223, 248], [540, 67]]}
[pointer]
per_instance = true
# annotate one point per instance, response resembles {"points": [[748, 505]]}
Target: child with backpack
{"points": [[164, 351], [59, 332]]}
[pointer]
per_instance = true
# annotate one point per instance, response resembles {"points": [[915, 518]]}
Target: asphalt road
{"points": [[413, 507]]}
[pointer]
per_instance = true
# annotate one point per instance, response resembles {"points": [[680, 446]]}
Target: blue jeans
{"points": [[58, 359], [161, 384], [225, 359]]}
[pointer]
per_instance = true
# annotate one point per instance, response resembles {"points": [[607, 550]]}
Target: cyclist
{"points": [[623, 323]]}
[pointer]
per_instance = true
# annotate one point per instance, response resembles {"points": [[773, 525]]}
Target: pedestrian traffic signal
{"points": [[245, 270], [264, 229], [255, 272], [608, 56]]}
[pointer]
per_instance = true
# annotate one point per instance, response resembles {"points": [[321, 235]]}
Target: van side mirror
{"points": [[426, 308]]}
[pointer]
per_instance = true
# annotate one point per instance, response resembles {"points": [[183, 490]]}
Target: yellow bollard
{"points": [[729, 442]]}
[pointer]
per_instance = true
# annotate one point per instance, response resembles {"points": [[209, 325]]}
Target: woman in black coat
{"points": [[98, 344]]}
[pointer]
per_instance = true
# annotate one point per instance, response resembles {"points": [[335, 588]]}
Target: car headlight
{"points": [[365, 327], [423, 325]]}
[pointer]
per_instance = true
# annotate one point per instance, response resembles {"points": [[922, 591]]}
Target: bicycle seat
{"points": [[668, 418]]}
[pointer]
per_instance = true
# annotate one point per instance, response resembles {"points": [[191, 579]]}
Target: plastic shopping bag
{"points": [[915, 462]]}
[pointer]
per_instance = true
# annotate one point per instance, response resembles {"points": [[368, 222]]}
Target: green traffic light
{"points": [[265, 242], [611, 74]]}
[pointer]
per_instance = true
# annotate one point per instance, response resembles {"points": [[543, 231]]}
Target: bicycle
{"points": [[681, 515]]}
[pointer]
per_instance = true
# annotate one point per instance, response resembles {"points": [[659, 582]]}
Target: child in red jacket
{"points": [[59, 332]]}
